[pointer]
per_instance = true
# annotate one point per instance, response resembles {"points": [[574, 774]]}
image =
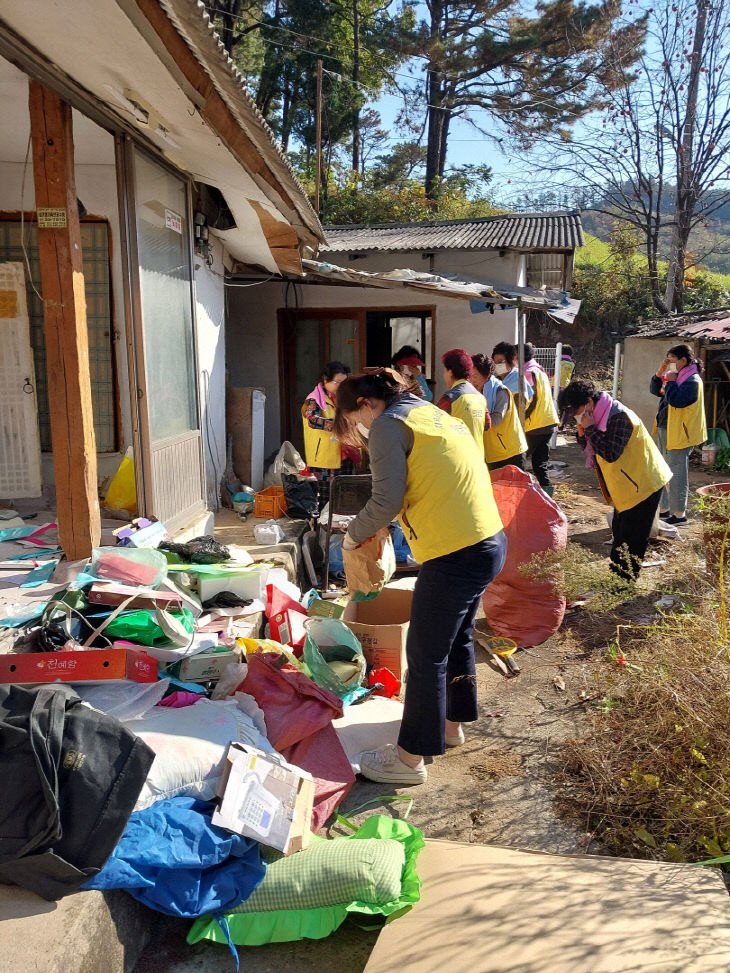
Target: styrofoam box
{"points": [[248, 583]]}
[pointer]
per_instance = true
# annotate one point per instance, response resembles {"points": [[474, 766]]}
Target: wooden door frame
{"points": [[286, 318]]}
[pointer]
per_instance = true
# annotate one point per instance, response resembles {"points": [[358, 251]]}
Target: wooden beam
{"points": [[282, 240], [64, 320]]}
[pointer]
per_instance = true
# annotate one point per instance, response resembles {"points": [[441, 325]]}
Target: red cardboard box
{"points": [[78, 666]]}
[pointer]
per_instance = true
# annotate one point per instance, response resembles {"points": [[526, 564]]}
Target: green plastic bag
{"points": [[142, 627], [290, 925], [334, 657]]}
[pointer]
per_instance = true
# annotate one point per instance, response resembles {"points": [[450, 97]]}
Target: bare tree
{"points": [[656, 156]]}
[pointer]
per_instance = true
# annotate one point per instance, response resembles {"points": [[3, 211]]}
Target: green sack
{"points": [[334, 656], [142, 627], [290, 925]]}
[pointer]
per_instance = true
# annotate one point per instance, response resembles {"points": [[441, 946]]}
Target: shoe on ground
{"points": [[665, 516], [385, 767], [455, 739], [674, 521]]}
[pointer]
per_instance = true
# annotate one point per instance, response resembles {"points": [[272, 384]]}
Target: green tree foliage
{"points": [[530, 69], [616, 292]]}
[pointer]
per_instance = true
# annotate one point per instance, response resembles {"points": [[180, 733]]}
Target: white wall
{"points": [[210, 316], [252, 331], [642, 357]]}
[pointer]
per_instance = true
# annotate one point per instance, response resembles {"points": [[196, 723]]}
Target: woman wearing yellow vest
{"points": [[504, 441], [461, 398], [630, 468], [429, 473], [680, 425], [541, 419], [322, 449]]}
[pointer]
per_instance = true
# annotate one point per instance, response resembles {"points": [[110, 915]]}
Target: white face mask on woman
{"points": [[363, 430], [501, 368]]}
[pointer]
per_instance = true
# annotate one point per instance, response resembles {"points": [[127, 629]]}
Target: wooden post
{"points": [[64, 319], [318, 139]]}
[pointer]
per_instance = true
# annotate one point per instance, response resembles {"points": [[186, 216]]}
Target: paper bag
{"points": [[370, 567]]}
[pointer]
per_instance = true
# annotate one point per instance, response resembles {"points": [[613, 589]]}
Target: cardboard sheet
{"points": [[487, 909], [368, 726]]}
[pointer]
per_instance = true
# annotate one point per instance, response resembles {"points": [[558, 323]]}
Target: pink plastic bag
{"points": [[299, 716], [517, 606]]}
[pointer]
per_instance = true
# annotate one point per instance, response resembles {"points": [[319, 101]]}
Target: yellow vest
{"points": [[639, 471], [544, 414], [448, 503], [566, 372], [687, 426], [470, 406], [507, 439], [321, 449]]}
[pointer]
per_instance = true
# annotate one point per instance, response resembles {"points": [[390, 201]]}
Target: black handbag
{"points": [[70, 777]]}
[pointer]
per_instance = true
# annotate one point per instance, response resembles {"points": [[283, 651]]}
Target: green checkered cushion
{"points": [[331, 873]]}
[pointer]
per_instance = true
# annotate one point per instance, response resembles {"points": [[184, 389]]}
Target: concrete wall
{"points": [[486, 264], [642, 357], [252, 331]]}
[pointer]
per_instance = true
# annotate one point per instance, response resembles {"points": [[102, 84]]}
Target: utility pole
{"points": [[318, 137]]}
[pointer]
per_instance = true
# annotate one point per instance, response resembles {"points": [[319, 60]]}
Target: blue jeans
{"points": [[675, 493], [441, 680]]}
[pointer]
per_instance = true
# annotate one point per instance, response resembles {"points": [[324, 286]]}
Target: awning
{"points": [[480, 294]]}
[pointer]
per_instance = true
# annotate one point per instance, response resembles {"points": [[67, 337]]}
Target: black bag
{"points": [[301, 497], [69, 778]]}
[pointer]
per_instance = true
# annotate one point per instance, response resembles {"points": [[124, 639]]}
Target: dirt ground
{"points": [[498, 787]]}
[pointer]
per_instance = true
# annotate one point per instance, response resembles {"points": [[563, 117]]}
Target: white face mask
{"points": [[407, 373], [501, 368], [672, 366], [363, 430]]}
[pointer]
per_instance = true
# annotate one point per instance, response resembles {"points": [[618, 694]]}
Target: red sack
{"points": [[516, 606], [299, 716]]}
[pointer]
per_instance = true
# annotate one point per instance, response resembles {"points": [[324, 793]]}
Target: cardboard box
{"points": [[249, 582], [381, 625], [205, 666], [102, 593], [78, 666], [268, 801]]}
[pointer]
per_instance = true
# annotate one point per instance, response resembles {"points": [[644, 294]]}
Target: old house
{"points": [[135, 172], [294, 326]]}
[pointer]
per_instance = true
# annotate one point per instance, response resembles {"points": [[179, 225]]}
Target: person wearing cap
{"points": [[408, 362], [461, 398]]}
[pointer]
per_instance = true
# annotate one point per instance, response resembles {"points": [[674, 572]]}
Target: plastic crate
{"points": [[270, 502]]}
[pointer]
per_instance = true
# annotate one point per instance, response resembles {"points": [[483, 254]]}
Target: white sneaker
{"points": [[456, 739], [385, 767]]}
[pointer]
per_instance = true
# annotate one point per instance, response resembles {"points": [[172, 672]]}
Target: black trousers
{"points": [[538, 442], [631, 529], [518, 461]]}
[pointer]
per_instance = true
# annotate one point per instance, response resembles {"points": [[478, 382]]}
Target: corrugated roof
{"points": [[516, 231], [710, 325]]}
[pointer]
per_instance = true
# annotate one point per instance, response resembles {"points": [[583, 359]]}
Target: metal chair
{"points": [[348, 495]]}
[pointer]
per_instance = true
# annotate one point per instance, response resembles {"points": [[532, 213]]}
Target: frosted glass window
{"points": [[165, 283]]}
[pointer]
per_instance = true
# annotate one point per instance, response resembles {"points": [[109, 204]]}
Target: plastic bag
{"points": [[268, 533], [334, 657], [517, 606], [200, 550], [142, 626], [124, 701], [369, 567], [302, 499], [287, 460], [122, 492], [142, 566]]}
